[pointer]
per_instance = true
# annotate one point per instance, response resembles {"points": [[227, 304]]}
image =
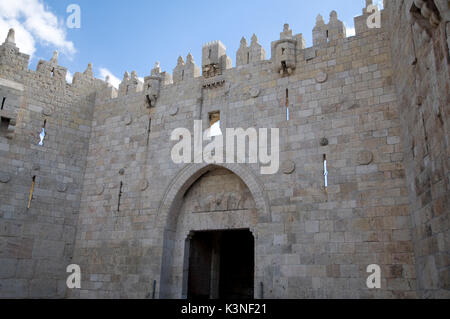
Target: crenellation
{"points": [[51, 69], [250, 54], [104, 193], [185, 71], [11, 59], [284, 51], [214, 59], [326, 33]]}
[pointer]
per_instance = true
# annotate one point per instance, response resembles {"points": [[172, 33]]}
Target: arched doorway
{"points": [[208, 201]]}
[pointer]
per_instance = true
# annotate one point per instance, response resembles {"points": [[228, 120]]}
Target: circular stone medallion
{"points": [[365, 157], [4, 177], [144, 185], [127, 119], [173, 110], [61, 187], [321, 77], [288, 167], [99, 189], [254, 92]]}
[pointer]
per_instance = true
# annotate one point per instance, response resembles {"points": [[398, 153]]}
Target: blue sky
{"points": [[118, 36]]}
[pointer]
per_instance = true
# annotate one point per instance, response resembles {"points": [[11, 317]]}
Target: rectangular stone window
{"points": [[4, 125], [214, 124]]}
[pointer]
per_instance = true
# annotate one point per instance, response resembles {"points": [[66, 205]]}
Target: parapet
{"points": [[51, 69], [86, 80], [284, 51], [188, 70], [324, 33], [214, 59], [284, 55], [249, 54], [10, 55]]}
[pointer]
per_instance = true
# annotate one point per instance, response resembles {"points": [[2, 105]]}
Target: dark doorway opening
{"points": [[221, 265]]}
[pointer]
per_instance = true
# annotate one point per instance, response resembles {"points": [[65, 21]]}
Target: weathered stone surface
{"points": [[389, 207]]}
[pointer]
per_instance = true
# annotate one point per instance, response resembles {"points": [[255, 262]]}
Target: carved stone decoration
{"points": [[47, 111], [99, 189], [365, 157], [324, 142], [4, 177], [173, 110], [254, 92], [127, 119], [61, 187], [322, 77], [143, 185], [288, 167], [223, 202]]}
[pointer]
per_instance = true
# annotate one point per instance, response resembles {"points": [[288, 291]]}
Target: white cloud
{"points": [[33, 22], [380, 4], [115, 81], [351, 31], [69, 77]]}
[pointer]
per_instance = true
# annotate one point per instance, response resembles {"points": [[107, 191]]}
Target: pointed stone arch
{"points": [[172, 200]]}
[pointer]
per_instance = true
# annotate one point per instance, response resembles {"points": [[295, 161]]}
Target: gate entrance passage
{"points": [[221, 265]]}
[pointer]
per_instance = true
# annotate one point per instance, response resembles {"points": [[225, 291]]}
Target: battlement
{"points": [[284, 55], [102, 177]]}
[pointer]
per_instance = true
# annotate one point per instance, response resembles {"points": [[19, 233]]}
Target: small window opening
{"points": [[325, 171], [120, 196], [248, 57], [53, 73], [328, 35], [182, 75], [30, 197], [214, 124], [43, 134], [282, 51], [287, 105], [3, 102], [149, 129], [284, 66], [149, 101], [4, 124], [209, 54]]}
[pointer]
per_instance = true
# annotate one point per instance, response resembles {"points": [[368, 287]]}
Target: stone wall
{"points": [[420, 51], [37, 243], [108, 197], [311, 242]]}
